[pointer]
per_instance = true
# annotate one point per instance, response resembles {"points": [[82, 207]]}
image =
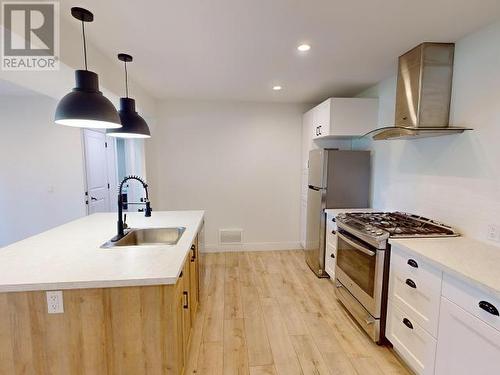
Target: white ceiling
{"points": [[238, 49]]}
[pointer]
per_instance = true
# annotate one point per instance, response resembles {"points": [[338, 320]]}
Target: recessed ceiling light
{"points": [[277, 88], [304, 47]]}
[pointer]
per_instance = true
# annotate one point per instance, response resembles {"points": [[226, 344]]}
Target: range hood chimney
{"points": [[423, 94]]}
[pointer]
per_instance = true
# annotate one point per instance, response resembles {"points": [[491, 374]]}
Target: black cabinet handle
{"points": [[411, 283], [333, 219], [320, 130], [332, 255], [488, 307], [407, 323], [193, 255], [412, 263], [186, 303], [333, 232]]}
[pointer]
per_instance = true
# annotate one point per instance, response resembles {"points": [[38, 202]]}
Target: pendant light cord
{"points": [[84, 45], [126, 79]]}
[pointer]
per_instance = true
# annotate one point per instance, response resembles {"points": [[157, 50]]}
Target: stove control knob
{"points": [[373, 230], [368, 227], [379, 233]]}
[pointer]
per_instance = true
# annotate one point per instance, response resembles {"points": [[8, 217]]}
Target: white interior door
{"points": [[97, 171]]}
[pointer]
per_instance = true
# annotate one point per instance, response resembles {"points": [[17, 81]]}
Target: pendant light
{"points": [[86, 106], [134, 126]]}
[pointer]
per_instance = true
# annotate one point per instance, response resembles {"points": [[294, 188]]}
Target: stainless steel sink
{"points": [[148, 237]]}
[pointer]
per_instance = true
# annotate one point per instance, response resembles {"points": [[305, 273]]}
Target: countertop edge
{"points": [[94, 284], [450, 270]]}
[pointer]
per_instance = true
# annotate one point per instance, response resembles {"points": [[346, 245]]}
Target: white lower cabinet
{"points": [[330, 260], [413, 310], [440, 324], [331, 246], [466, 345], [416, 286], [413, 343]]}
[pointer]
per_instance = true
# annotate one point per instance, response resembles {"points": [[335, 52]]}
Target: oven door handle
{"points": [[356, 245]]}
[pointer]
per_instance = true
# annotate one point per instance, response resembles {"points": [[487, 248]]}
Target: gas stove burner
{"points": [[396, 224]]}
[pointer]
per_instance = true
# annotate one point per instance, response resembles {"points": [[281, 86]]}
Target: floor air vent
{"points": [[230, 236]]}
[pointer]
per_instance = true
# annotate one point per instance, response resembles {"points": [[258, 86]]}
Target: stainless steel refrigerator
{"points": [[337, 179]]}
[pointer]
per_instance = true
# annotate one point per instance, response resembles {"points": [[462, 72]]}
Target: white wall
{"points": [[455, 179], [41, 172], [238, 161]]}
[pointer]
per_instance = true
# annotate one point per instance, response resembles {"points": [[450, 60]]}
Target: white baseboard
{"points": [[253, 246]]}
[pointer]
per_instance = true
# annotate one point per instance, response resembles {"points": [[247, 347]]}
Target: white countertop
{"points": [[471, 260], [336, 211], [70, 257]]}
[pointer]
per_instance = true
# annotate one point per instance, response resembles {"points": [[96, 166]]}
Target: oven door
{"points": [[360, 268]]}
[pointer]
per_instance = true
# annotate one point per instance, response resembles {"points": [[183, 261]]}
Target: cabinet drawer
{"points": [[417, 268], [470, 298], [331, 230], [413, 343], [416, 287], [330, 260]]}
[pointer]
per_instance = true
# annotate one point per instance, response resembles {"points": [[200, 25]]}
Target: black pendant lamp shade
{"points": [[134, 126], [86, 106]]}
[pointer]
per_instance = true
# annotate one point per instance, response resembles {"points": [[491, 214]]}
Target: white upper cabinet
{"points": [[344, 117], [307, 136]]}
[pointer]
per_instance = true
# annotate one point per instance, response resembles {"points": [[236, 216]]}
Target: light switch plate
{"points": [[55, 303]]}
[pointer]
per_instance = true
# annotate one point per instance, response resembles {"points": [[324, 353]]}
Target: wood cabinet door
{"points": [[179, 326], [186, 313], [466, 344], [194, 284]]}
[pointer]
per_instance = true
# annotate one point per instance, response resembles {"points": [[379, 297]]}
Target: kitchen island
{"points": [[126, 310]]}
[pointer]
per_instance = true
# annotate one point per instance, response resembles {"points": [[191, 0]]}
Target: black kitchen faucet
{"points": [[121, 222]]}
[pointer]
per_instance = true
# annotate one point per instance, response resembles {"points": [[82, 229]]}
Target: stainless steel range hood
{"points": [[423, 94]]}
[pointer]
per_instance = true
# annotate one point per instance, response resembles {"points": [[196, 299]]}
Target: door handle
{"points": [[411, 283], [186, 300], [407, 323], [412, 263], [357, 246], [193, 254], [93, 198], [488, 307], [332, 255]]}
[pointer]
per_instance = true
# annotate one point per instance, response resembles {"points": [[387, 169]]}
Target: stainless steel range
{"points": [[363, 255]]}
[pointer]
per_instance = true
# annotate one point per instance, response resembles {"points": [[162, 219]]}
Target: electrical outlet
{"points": [[55, 303], [493, 233]]}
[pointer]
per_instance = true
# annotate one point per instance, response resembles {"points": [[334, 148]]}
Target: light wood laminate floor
{"points": [[265, 313]]}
